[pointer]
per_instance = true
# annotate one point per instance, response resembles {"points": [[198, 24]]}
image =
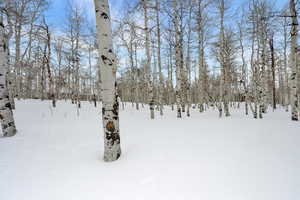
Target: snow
{"points": [[57, 155]]}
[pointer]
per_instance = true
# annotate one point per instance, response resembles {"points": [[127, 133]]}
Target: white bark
{"points": [[286, 82], [294, 61], [178, 61], [148, 63], [107, 59], [161, 86], [6, 114]]}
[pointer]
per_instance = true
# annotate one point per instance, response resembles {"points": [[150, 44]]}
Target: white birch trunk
{"points": [[286, 78], [161, 86], [107, 59], [148, 63], [294, 61], [6, 114], [178, 62]]}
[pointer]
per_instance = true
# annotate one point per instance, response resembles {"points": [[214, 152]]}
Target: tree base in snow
{"points": [[294, 119], [113, 155], [10, 133]]}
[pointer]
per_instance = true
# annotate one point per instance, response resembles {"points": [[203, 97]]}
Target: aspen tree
{"points": [[107, 59], [286, 84], [178, 61], [244, 68], [202, 27], [294, 61], [6, 114], [271, 41], [148, 62], [161, 84], [188, 60], [48, 60], [225, 79]]}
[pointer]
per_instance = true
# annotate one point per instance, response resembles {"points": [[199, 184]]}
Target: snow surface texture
{"points": [[57, 155]]}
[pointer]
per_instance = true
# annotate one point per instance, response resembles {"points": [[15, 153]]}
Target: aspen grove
{"points": [[186, 55], [149, 99]]}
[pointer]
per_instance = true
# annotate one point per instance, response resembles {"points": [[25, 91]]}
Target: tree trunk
{"points": [[286, 84], [273, 72], [107, 59], [6, 114], [294, 61], [178, 62]]}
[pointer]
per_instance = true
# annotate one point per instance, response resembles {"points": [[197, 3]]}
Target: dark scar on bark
{"points": [[110, 127], [8, 105], [105, 59], [11, 124], [118, 155], [104, 15]]}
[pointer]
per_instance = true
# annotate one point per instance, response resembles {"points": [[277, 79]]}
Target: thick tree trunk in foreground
{"points": [[6, 114], [110, 105]]}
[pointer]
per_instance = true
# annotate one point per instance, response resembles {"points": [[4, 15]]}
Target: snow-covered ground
{"points": [[57, 155]]}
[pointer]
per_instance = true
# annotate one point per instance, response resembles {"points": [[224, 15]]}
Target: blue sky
{"points": [[57, 13]]}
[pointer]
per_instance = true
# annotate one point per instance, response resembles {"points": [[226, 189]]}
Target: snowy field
{"points": [[57, 155]]}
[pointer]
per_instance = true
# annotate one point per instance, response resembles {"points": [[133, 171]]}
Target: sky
{"points": [[56, 13], [57, 10]]}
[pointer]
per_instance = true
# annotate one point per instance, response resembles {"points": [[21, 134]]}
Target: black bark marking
{"points": [[106, 60], [115, 108], [8, 105], [294, 118], [118, 155], [293, 76], [104, 15], [112, 138]]}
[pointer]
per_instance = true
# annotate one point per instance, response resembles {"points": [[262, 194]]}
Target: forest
{"points": [[208, 90]]}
